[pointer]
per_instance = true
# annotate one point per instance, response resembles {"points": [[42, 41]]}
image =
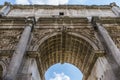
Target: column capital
{"points": [[113, 4], [30, 21], [6, 8], [115, 8], [94, 20], [7, 4]]}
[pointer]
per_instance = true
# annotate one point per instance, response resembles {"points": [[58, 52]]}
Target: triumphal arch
{"points": [[35, 37]]}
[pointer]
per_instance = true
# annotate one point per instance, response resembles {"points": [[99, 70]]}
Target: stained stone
{"points": [[61, 34]]}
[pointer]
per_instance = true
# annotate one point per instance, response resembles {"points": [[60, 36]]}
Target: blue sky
{"points": [[56, 2], [64, 71]]}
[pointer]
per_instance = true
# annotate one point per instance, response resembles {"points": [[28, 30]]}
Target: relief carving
{"points": [[9, 39]]}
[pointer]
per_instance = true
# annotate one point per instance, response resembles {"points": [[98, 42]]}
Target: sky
{"points": [[59, 2], [62, 71]]}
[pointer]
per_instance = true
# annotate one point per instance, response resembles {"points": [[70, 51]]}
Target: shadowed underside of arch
{"points": [[1, 72], [66, 47]]}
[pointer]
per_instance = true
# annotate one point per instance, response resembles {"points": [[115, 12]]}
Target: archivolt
{"points": [[3, 68], [39, 42], [67, 47]]}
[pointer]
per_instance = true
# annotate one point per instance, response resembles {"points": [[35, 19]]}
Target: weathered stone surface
{"points": [[102, 70], [6, 8], [53, 11], [57, 38], [19, 53]]}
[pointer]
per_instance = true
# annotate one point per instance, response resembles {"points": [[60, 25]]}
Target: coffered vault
{"points": [[65, 47], [35, 37]]}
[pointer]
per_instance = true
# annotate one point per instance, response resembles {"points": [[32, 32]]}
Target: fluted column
{"points": [[20, 51], [107, 41], [115, 9], [6, 8]]}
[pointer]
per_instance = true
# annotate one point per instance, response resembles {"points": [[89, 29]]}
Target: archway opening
{"points": [[64, 71], [66, 48]]}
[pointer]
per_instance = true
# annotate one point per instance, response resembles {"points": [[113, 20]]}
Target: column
{"points": [[20, 51], [107, 41], [6, 8], [115, 9]]}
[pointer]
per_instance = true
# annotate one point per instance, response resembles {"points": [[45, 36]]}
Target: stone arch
{"points": [[1, 72], [2, 68], [39, 42], [70, 47]]}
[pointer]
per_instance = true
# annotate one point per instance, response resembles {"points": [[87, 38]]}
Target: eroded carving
{"points": [[9, 39]]}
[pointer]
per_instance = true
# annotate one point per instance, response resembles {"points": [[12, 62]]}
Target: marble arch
{"points": [[67, 47], [86, 36]]}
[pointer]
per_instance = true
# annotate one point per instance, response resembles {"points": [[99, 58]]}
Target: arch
{"points": [[1, 72], [86, 39], [67, 47], [36, 46], [2, 68]]}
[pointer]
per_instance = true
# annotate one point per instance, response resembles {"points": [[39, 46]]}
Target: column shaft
{"points": [[5, 9], [116, 10], [18, 54], [108, 43]]}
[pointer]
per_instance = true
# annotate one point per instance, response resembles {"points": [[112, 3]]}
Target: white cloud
{"points": [[22, 2], [37, 1], [57, 2], [82, 1], [61, 76], [49, 2]]}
